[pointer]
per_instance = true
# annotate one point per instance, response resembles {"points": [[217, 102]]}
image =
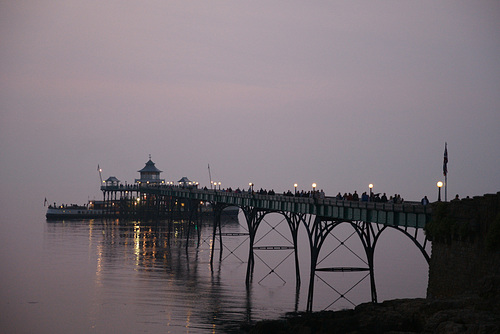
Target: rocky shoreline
{"points": [[464, 314]]}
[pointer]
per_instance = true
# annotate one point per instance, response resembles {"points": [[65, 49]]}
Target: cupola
{"points": [[150, 174]]}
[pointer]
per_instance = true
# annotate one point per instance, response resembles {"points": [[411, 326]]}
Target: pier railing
{"points": [[408, 214]]}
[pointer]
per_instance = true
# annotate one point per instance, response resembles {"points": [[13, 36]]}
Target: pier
{"points": [[151, 198]]}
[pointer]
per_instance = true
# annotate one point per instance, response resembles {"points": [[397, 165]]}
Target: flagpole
{"points": [[210, 176], [446, 175], [100, 175], [445, 171], [446, 188]]}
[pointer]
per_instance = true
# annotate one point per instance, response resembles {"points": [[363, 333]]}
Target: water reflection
{"points": [[146, 272], [145, 276]]}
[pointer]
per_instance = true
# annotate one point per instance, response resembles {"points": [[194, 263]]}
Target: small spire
{"points": [[149, 156]]}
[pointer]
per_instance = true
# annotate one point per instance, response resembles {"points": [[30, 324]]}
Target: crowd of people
{"points": [[365, 197], [302, 193], [372, 197]]}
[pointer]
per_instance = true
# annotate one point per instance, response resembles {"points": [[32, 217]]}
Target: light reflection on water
{"points": [[101, 276], [146, 276]]}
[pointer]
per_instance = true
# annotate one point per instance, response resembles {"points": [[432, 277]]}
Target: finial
{"points": [[149, 156]]}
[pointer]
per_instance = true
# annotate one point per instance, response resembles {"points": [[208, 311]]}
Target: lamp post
{"points": [[371, 189], [295, 185], [439, 185], [314, 187], [251, 185], [219, 185]]}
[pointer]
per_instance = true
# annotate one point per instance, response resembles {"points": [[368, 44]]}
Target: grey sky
{"points": [[339, 93]]}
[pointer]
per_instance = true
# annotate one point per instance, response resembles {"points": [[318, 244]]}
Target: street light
{"points": [[314, 186], [295, 186], [251, 185], [371, 189], [219, 185], [439, 185]]}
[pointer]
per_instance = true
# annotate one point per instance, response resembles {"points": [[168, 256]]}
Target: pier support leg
{"points": [[317, 230], [294, 221], [253, 218], [369, 234], [192, 219], [312, 275], [217, 212]]}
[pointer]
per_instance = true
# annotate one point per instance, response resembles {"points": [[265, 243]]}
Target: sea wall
{"points": [[465, 237]]}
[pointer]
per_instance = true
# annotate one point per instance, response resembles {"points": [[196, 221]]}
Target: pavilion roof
{"points": [[150, 167]]}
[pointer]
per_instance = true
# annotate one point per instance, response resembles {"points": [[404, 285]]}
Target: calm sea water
{"points": [[94, 276]]}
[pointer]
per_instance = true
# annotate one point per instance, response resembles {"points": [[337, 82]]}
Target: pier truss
{"points": [[319, 216]]}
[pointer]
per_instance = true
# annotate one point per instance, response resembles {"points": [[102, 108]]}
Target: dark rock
{"points": [[464, 314]]}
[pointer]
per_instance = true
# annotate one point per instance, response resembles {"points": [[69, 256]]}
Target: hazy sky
{"points": [[341, 93]]}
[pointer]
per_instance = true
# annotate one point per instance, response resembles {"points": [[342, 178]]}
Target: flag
{"points": [[445, 160]]}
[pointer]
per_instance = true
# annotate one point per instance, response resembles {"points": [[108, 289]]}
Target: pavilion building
{"points": [[112, 182], [150, 174]]}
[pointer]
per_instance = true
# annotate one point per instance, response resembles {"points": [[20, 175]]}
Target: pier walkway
{"points": [[407, 214]]}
